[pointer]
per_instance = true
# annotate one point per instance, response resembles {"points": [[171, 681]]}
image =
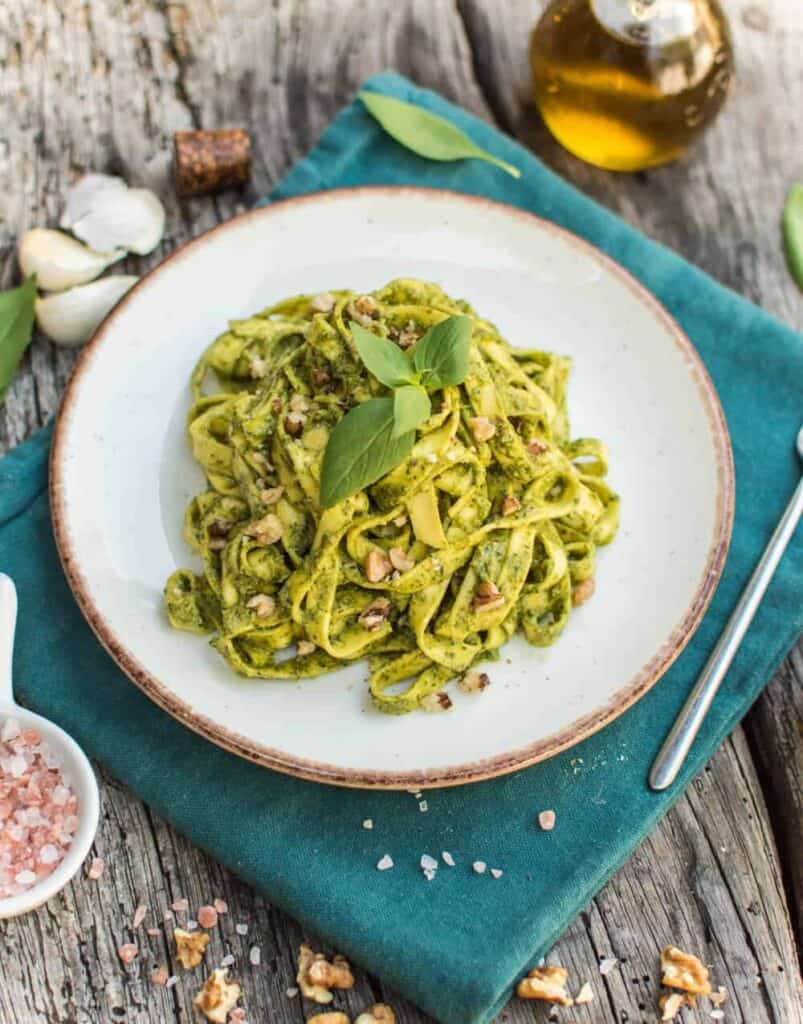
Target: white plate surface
{"points": [[122, 475]]}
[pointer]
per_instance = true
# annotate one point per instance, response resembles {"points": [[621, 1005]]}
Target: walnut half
{"points": [[317, 976], [218, 996], [684, 971], [190, 947], [547, 984]]}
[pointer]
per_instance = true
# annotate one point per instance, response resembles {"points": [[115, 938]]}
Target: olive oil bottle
{"points": [[629, 84]]}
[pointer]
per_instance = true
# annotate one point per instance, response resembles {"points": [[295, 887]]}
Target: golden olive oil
{"points": [[629, 84]]}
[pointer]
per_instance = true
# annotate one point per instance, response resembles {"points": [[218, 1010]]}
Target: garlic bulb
{"points": [[71, 317], [83, 194], [59, 261], [132, 219]]}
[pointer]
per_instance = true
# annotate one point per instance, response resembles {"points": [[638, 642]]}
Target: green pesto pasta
{"points": [[490, 525]]}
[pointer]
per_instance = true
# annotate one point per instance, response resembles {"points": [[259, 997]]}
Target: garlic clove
{"points": [[71, 317], [133, 219], [84, 193], [60, 261]]}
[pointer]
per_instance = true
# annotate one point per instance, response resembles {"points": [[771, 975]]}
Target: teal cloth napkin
{"points": [[456, 945]]}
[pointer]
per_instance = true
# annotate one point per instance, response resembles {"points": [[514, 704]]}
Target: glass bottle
{"points": [[629, 84]]}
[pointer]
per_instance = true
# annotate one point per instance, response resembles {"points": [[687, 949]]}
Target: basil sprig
{"points": [[427, 134], [375, 436], [16, 327]]}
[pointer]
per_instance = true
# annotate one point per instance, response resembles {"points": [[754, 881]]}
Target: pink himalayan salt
{"points": [[207, 917], [180, 904], [128, 952], [96, 868], [221, 906], [139, 915], [37, 809]]}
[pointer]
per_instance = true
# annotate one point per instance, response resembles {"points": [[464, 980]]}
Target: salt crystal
{"points": [[25, 877], [207, 917], [139, 915], [423, 807], [60, 796], [17, 766], [717, 1015], [10, 730], [428, 862], [546, 819], [385, 864], [368, 823], [479, 866], [607, 964], [241, 929], [171, 981], [31, 737], [154, 931], [291, 993], [255, 956], [496, 873], [180, 904], [127, 952], [96, 868], [191, 925], [221, 906], [159, 976], [49, 854], [228, 960]]}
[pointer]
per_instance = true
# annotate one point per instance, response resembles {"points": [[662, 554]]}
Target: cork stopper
{"points": [[207, 162]]}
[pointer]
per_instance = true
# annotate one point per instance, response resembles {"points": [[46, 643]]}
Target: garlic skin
{"points": [[132, 219], [83, 193], [71, 317], [59, 261]]}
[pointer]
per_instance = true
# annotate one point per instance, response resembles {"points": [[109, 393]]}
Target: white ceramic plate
{"points": [[122, 475]]}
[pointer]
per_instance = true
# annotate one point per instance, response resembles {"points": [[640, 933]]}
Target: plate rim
{"points": [[474, 771]]}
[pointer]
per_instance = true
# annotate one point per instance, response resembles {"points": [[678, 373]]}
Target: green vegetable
{"points": [[385, 360], [16, 326], [411, 408], [427, 134], [793, 232], [441, 356], [361, 449]]}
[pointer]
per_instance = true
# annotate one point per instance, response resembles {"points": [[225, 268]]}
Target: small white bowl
{"points": [[74, 763]]}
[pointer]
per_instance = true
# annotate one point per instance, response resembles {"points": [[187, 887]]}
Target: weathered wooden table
{"points": [[103, 84]]}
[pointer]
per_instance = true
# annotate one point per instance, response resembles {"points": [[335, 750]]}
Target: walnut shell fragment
{"points": [[207, 162]]}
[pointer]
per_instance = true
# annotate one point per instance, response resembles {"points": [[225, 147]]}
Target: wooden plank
{"points": [[103, 85]]}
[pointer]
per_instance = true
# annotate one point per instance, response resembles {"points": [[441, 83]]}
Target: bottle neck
{"points": [[648, 22]]}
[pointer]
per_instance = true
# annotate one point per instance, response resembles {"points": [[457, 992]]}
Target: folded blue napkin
{"points": [[454, 946]]}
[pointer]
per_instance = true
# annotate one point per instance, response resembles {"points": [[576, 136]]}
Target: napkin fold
{"points": [[456, 945]]}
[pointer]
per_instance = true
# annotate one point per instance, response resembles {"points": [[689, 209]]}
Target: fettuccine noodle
{"points": [[489, 526]]}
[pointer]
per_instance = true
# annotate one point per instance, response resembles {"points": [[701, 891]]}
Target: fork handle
{"points": [[678, 743], [8, 621]]}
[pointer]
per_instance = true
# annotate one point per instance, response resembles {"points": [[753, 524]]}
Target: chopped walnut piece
{"points": [[263, 606], [320, 378], [400, 560], [408, 336], [671, 1004], [482, 428], [276, 405], [719, 997], [218, 996], [487, 596], [271, 495], [258, 368], [546, 983], [536, 447], [267, 530], [313, 988], [510, 504], [219, 528], [377, 565], [323, 303], [305, 647], [379, 1013], [334, 1017], [583, 591], [190, 947], [473, 682], [299, 403], [372, 617], [440, 701], [294, 423], [362, 309], [684, 971], [336, 974]]}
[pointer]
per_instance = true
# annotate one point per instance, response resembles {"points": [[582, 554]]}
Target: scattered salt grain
{"points": [[171, 981], [368, 823], [49, 854], [10, 730], [60, 796], [423, 807], [607, 964], [585, 995], [429, 866], [228, 960], [191, 925], [139, 915], [221, 906], [546, 819], [717, 1014], [96, 868], [255, 956], [207, 917], [291, 993], [180, 904], [479, 866], [241, 929], [154, 932], [448, 858], [25, 878], [385, 863], [159, 976], [127, 952], [496, 873], [237, 1015]]}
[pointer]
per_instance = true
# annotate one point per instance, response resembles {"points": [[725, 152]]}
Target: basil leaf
{"points": [[411, 406], [793, 232], [361, 449], [441, 356], [427, 134], [16, 326], [382, 358]]}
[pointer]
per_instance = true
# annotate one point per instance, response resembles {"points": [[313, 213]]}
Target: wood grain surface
{"points": [[102, 85]]}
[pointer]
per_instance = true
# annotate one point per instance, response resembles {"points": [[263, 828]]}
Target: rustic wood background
{"points": [[102, 84]]}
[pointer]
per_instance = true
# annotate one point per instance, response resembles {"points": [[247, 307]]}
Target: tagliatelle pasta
{"points": [[490, 525]]}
